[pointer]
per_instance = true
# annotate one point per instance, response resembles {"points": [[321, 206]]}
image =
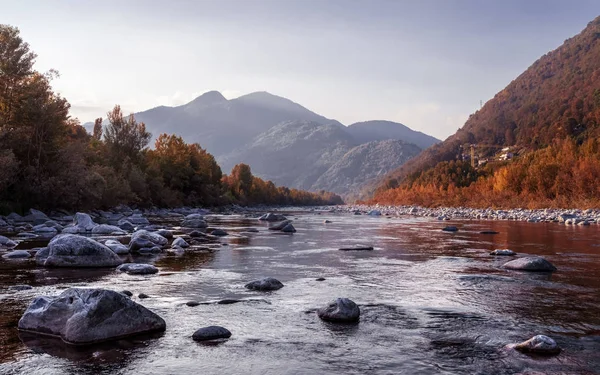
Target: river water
{"points": [[431, 302]]}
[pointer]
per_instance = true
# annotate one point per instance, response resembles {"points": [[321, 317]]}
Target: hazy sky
{"points": [[424, 63]]}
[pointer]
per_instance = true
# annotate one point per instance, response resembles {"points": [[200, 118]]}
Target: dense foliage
{"points": [[49, 161], [552, 109]]}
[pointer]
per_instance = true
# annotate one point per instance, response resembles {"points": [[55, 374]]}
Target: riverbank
{"points": [[564, 216]]}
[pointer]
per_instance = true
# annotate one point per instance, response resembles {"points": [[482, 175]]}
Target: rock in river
{"points": [[289, 229], [450, 228], [342, 310], [117, 247], [7, 242], [17, 254], [137, 268], [280, 226], [532, 264], [194, 221], [211, 333], [539, 344], [144, 239], [180, 242], [356, 248], [219, 232], [107, 229], [271, 217], [69, 250], [503, 252], [265, 284], [87, 316]]}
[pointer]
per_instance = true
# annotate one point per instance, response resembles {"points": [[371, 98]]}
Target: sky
{"points": [[426, 63]]}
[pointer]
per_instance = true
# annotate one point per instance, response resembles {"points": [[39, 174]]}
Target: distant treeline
{"points": [[49, 161]]}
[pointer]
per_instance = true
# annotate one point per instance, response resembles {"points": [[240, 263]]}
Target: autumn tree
{"points": [[125, 138]]}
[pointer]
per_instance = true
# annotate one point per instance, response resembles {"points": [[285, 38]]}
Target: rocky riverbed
{"points": [[227, 292]]}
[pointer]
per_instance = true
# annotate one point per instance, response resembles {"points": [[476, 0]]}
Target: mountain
{"points": [[554, 105], [378, 130], [293, 153], [222, 125], [363, 163]]}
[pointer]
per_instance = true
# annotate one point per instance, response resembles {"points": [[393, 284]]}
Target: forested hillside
{"points": [[48, 161], [549, 117]]}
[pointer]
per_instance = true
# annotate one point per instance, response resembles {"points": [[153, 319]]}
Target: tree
{"points": [[125, 138], [97, 134]]}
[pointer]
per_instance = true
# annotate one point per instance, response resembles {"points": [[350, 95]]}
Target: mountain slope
{"points": [[556, 100], [293, 153], [222, 125], [365, 162], [378, 130]]}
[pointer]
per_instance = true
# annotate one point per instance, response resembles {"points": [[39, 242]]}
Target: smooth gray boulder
{"points": [[70, 250], [45, 231], [137, 269], [117, 247], [194, 221], [180, 242], [289, 229], [138, 219], [531, 264], [503, 252], [3, 223], [144, 239], [374, 213], [165, 233], [17, 254], [280, 226], [342, 310], [84, 222], [88, 316], [219, 232], [149, 250], [36, 217], [107, 229], [126, 225], [265, 284], [539, 344], [211, 333], [7, 242], [272, 217]]}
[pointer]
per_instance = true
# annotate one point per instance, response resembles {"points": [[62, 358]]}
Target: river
{"points": [[431, 302]]}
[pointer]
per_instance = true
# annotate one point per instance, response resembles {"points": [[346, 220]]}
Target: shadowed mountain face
{"points": [[377, 130], [286, 143]]}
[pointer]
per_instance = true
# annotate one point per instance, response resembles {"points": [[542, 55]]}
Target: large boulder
{"points": [[126, 225], [88, 316], [137, 269], [194, 221], [145, 239], [180, 242], [342, 310], [17, 254], [539, 344], [281, 225], [265, 284], [117, 247], [289, 229], [7, 242], [532, 264], [35, 217], [271, 217], [138, 219], [211, 333], [84, 222], [69, 250], [165, 233]]}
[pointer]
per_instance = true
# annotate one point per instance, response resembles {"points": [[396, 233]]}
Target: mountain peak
{"points": [[207, 99]]}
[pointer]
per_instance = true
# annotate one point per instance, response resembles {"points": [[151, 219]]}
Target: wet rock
{"points": [[219, 232], [251, 230], [280, 226], [117, 247], [54, 224], [539, 344], [87, 316], [532, 264], [3, 223], [356, 248], [265, 284], [228, 301], [272, 217], [127, 293], [144, 239], [194, 221], [143, 296], [45, 231], [488, 232], [192, 303], [503, 252], [126, 225], [196, 234], [149, 250], [7, 242], [180, 242], [165, 233], [20, 287], [450, 228], [107, 229], [36, 217], [374, 213], [320, 279], [288, 229], [326, 221], [211, 333], [138, 219], [17, 254], [27, 235], [342, 310], [69, 250], [137, 269], [84, 222]]}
